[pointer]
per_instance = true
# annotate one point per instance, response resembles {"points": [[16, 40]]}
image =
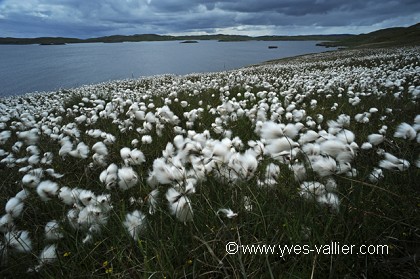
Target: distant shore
{"points": [[154, 37]]}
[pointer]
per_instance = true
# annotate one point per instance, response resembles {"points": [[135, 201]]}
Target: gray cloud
{"points": [[81, 18]]}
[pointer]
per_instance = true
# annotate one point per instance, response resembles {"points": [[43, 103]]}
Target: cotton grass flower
{"points": [[127, 178], [179, 205], [14, 207], [53, 231], [280, 147], [81, 151], [366, 146], [323, 166], [6, 223], [100, 148], [47, 256], [30, 137], [227, 212], [86, 197], [162, 172], [67, 195], [271, 130], [375, 175], [146, 139], [329, 199], [393, 163], [109, 177], [405, 131], [66, 147], [309, 136], [18, 241], [22, 194], [312, 189], [376, 139], [47, 189], [136, 157], [244, 165], [4, 136], [91, 215], [135, 223]]}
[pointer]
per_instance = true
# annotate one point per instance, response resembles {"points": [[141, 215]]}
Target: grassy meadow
{"points": [[151, 178]]}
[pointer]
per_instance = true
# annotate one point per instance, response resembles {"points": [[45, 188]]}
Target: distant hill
{"points": [[385, 37], [155, 37], [42, 41], [397, 36]]}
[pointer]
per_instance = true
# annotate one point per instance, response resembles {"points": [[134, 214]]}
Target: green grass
{"points": [[386, 213]]}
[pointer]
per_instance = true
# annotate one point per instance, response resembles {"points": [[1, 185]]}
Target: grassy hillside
{"points": [[214, 175], [398, 36]]}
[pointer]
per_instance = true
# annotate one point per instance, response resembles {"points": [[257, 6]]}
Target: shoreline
{"points": [[39, 88], [328, 54]]}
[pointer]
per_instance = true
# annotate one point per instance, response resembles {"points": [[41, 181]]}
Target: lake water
{"points": [[30, 68]]}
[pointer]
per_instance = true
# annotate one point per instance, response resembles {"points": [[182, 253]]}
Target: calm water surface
{"points": [[30, 68]]}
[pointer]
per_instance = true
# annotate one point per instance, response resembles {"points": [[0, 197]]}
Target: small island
{"points": [[52, 44], [189, 42]]}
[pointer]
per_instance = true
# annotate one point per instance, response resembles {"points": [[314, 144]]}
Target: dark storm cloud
{"points": [[82, 18]]}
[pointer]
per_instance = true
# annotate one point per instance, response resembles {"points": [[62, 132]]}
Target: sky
{"points": [[95, 18]]}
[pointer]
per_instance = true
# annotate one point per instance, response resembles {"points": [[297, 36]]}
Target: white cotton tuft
{"points": [[227, 212], [67, 196], [48, 255], [30, 180], [81, 151], [109, 176], [136, 157], [346, 136], [100, 148], [272, 171], [125, 153], [22, 194], [162, 172], [375, 175], [4, 136], [6, 223], [312, 189], [104, 202], [309, 136], [179, 205], [152, 201], [14, 207], [280, 146], [19, 241], [333, 147], [244, 165], [400, 165], [66, 147], [329, 199], [323, 166], [405, 131], [135, 223], [271, 130], [127, 178], [86, 197], [376, 139], [53, 231], [47, 189], [53, 174], [146, 139], [366, 146]]}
